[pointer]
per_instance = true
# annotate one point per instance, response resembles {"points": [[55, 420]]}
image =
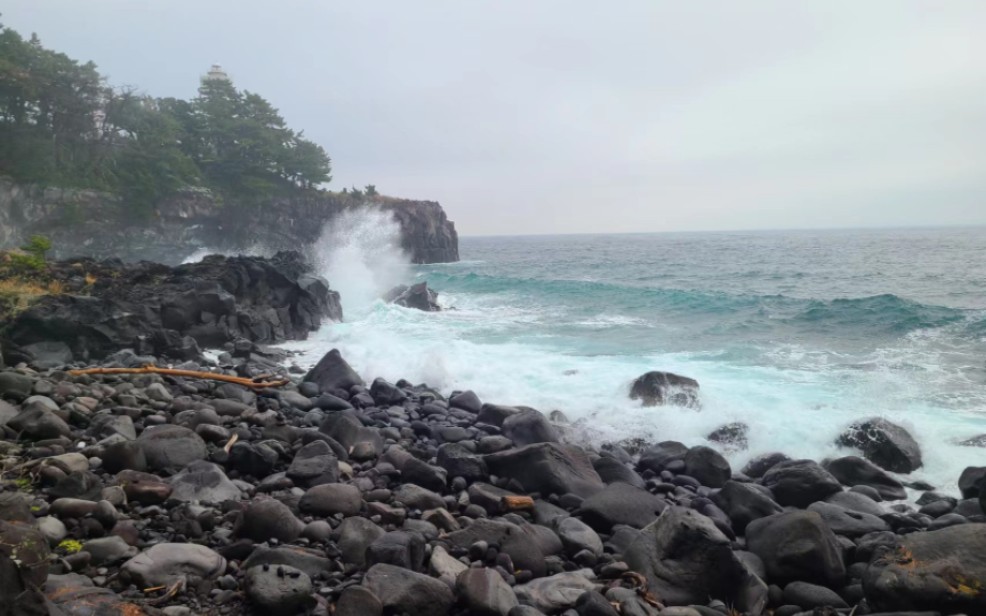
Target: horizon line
{"points": [[737, 230]]}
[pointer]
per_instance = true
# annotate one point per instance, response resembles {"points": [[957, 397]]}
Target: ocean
{"points": [[795, 333]]}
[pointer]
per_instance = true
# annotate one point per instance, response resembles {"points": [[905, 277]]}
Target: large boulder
{"points": [[171, 448], [656, 457], [797, 545], [745, 502], [659, 388], [621, 503], [555, 593], [942, 570], [548, 468], [203, 481], [333, 372], [268, 518], [855, 471], [164, 563], [483, 592], [799, 483], [687, 560], [401, 590], [884, 443], [528, 427], [278, 591], [708, 466]]}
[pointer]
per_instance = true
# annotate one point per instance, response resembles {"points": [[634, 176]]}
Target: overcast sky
{"points": [[576, 116]]}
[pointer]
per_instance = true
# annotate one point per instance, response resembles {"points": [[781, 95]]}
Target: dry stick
{"points": [[232, 441], [516, 503], [193, 374]]}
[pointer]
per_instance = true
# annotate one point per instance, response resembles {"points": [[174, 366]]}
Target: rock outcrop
{"points": [[154, 309], [95, 224]]}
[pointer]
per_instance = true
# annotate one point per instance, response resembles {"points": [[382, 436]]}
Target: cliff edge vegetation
{"points": [[62, 125]]}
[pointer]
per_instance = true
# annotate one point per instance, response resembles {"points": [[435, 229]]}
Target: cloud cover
{"points": [[574, 116]]}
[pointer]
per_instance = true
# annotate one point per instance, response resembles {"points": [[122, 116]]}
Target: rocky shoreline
{"points": [[150, 494], [129, 494]]}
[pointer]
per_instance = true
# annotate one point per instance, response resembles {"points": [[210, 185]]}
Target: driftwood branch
{"points": [[516, 503], [192, 374]]}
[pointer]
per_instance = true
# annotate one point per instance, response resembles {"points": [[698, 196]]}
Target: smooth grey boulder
{"points": [[656, 457], [278, 591], [621, 503], [548, 468], [799, 483], [354, 535], [687, 560], [171, 448], [708, 466], [855, 471], [743, 503], [331, 498], [846, 522], [483, 592], [556, 593], [406, 591], [268, 518], [203, 481], [797, 546], [164, 563], [528, 427]]}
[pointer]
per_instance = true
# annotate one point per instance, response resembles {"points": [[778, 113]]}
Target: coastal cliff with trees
{"points": [[109, 171]]}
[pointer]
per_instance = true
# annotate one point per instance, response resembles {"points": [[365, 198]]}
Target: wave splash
{"points": [[360, 254]]}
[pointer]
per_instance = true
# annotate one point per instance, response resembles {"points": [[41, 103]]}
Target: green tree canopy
{"points": [[60, 124]]}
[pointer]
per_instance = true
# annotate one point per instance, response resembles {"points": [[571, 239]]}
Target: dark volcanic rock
{"points": [[278, 591], [548, 468], [759, 465], [333, 372], [264, 519], [401, 590], [855, 471], [168, 447], [797, 546], [731, 436], [484, 593], [940, 570], [528, 427], [743, 503], [708, 466], [417, 296], [621, 503], [971, 481], [799, 483], [687, 560], [656, 457], [884, 443], [658, 388], [173, 311]]}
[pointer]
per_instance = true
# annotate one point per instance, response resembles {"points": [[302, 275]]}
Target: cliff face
{"points": [[95, 224]]}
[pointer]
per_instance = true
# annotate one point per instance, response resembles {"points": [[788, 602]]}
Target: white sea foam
{"points": [[795, 399], [359, 253]]}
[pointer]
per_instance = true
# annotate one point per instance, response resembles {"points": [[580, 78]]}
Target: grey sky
{"points": [[576, 116]]}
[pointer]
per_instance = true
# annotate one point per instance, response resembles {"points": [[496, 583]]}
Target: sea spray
{"points": [[795, 345], [359, 253]]}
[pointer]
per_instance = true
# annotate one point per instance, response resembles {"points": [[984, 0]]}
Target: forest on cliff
{"points": [[61, 124]]}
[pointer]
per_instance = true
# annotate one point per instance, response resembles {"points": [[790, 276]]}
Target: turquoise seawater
{"points": [[796, 333]]}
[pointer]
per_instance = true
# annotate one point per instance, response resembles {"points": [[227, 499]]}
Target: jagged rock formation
{"points": [[95, 224], [108, 306]]}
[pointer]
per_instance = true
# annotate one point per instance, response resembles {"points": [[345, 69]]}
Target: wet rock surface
{"points": [[339, 495]]}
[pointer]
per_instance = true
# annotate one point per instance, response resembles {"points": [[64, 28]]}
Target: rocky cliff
{"points": [[100, 225]]}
